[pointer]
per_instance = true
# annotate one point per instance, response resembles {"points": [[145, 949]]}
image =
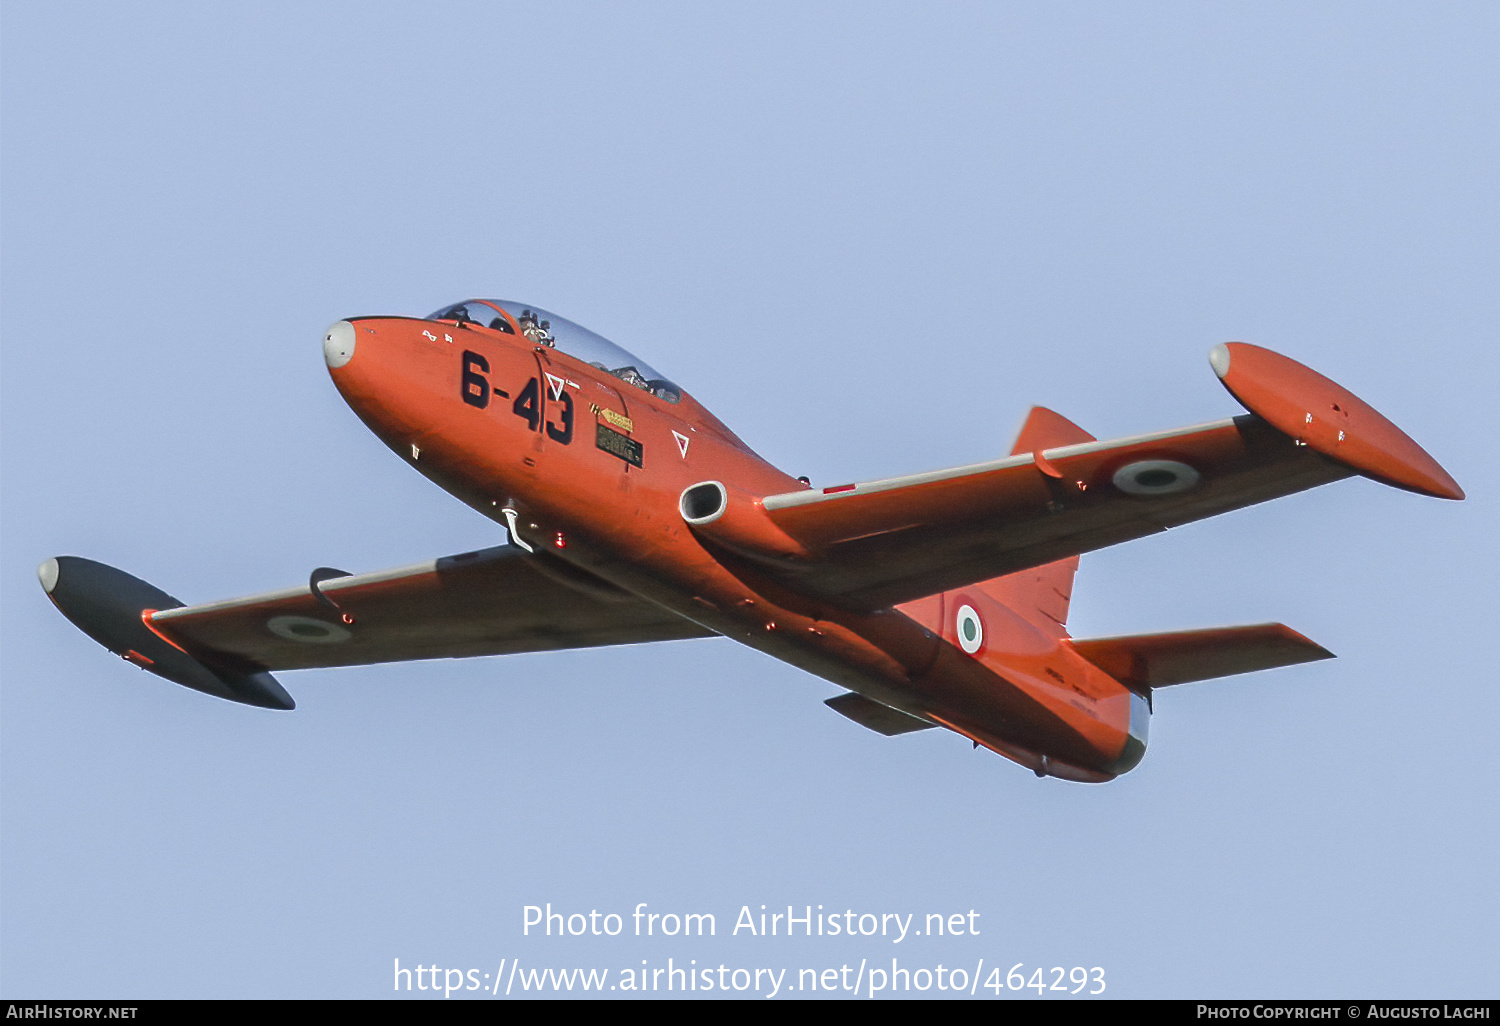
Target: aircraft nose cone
{"points": [[338, 344]]}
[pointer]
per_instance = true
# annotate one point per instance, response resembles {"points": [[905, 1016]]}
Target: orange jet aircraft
{"points": [[634, 515]]}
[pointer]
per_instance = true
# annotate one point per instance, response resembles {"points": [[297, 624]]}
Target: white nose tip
{"points": [[47, 573], [1218, 357], [338, 344]]}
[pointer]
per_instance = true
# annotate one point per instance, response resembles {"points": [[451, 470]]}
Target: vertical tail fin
{"points": [[1041, 594], [1045, 429]]}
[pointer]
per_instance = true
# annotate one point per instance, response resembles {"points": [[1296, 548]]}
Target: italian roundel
{"points": [[970, 629]]}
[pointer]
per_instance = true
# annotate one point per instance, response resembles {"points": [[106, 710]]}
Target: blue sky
{"points": [[868, 236]]}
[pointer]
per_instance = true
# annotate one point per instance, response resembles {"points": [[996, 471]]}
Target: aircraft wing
{"points": [[491, 602], [874, 544], [879, 543]]}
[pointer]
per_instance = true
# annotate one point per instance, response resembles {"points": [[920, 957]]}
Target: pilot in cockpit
{"points": [[539, 331], [633, 376]]}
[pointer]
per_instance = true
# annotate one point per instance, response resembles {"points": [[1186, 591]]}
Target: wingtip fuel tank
{"points": [[1328, 418], [115, 609]]}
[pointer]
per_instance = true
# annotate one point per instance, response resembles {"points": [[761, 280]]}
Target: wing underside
{"points": [[491, 602]]}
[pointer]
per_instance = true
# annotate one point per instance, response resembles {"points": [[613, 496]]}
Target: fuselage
{"points": [[587, 463]]}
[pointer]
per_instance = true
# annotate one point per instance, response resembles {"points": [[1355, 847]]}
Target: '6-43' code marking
{"points": [[530, 405]]}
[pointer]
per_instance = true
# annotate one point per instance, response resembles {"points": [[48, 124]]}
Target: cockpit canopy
{"points": [[548, 329]]}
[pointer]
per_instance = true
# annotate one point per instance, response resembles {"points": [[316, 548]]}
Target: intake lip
{"points": [[703, 503], [737, 521]]}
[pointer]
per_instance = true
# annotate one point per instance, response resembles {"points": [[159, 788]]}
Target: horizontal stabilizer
{"points": [[1144, 661], [880, 718]]}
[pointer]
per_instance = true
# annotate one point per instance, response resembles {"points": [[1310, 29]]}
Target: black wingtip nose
{"points": [[109, 606]]}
